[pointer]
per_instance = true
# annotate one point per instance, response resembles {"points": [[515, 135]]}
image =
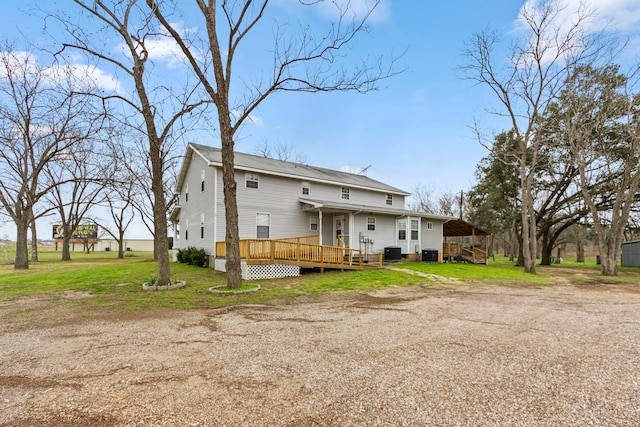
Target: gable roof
{"points": [[259, 164]]}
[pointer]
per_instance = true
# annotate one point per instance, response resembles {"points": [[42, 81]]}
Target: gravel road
{"points": [[473, 355]]}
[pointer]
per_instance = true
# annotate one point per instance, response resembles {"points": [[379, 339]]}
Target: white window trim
{"points": [[305, 185], [345, 191], [312, 222], [369, 223], [251, 177], [268, 216], [402, 222], [416, 230], [389, 199]]}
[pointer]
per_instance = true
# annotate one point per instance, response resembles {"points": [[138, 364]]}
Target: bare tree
{"points": [[422, 199], [301, 63], [600, 117], [280, 151], [158, 108], [41, 116], [81, 176], [536, 68], [121, 192]]}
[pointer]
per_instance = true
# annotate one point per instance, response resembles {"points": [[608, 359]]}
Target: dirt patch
{"points": [[470, 355]]}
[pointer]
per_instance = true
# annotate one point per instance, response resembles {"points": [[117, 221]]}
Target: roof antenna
{"points": [[364, 170]]}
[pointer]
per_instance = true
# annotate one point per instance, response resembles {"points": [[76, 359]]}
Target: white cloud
{"points": [[78, 74], [84, 74], [164, 48]]}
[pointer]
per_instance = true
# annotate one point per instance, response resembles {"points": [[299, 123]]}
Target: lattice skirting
{"points": [[270, 271]]}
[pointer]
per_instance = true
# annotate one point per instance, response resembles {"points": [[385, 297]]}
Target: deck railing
{"points": [[294, 250]]}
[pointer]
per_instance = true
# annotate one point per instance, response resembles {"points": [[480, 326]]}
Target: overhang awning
{"points": [[458, 227], [331, 206], [175, 214]]}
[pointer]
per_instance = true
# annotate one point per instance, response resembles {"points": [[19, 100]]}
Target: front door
{"points": [[338, 230]]}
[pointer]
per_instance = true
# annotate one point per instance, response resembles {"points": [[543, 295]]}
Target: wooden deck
{"points": [[297, 251], [454, 251]]}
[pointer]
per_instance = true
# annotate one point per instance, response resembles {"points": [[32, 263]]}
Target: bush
{"points": [[180, 256], [193, 256], [199, 257]]}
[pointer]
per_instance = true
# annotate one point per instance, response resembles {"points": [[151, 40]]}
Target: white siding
{"points": [[274, 195], [432, 239], [333, 193], [199, 202]]}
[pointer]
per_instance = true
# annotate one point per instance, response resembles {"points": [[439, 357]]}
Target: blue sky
{"points": [[417, 128]]}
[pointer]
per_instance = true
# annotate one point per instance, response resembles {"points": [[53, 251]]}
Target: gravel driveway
{"points": [[473, 355]]}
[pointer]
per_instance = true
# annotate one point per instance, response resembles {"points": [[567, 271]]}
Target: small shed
{"points": [[631, 254]]}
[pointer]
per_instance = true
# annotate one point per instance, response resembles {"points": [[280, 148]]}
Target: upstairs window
{"points": [[186, 193], [202, 180], [371, 223], [251, 180], [346, 193], [305, 188], [389, 199]]}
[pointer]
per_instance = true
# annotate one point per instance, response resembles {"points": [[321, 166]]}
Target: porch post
{"points": [[351, 227], [320, 227]]}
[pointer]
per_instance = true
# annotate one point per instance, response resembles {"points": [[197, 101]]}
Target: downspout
{"points": [[215, 211]]}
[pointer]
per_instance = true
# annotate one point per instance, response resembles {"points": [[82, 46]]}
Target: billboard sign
{"points": [[82, 232]]}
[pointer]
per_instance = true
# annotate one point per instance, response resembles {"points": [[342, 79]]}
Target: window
{"points": [[415, 224], [202, 232], [202, 180], [305, 188], [251, 180], [186, 193], [402, 230], [346, 193], [389, 199], [186, 230], [313, 223], [371, 223], [429, 226], [262, 225]]}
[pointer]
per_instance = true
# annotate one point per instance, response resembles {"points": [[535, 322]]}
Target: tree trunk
{"points": [[529, 248], [160, 246], [608, 258], [579, 244], [22, 247], [66, 250], [546, 248], [34, 242], [121, 245], [232, 238]]}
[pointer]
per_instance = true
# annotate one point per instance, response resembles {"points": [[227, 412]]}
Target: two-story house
{"points": [[280, 200]]}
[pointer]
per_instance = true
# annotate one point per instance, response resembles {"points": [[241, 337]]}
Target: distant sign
{"points": [[82, 232]]}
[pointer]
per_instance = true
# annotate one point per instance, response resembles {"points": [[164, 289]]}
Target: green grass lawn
{"points": [[117, 283]]}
